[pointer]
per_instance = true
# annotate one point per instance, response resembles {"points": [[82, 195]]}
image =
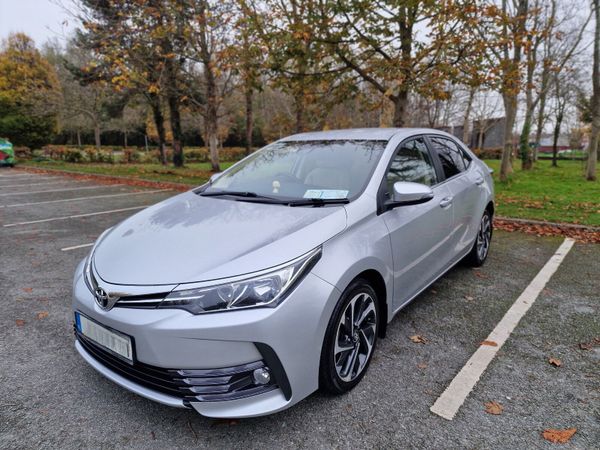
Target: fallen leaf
{"points": [[490, 343], [418, 339], [422, 365], [433, 291], [589, 345], [42, 315], [494, 408], [20, 322], [480, 275], [555, 362], [559, 436], [27, 289], [469, 298], [153, 435]]}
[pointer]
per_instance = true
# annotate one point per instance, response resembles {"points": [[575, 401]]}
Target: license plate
{"points": [[117, 343]]}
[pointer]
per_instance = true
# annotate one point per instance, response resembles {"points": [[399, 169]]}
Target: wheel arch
{"points": [[375, 279]]}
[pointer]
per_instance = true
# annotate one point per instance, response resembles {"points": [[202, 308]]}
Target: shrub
{"points": [[23, 152], [488, 153], [130, 155], [74, 156]]}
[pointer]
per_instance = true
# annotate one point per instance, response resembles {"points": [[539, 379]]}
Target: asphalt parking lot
{"points": [[51, 399]]}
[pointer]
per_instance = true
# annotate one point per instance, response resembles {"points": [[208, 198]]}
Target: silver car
{"points": [[277, 278]]}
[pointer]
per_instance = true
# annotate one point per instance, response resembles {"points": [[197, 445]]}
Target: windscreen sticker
{"points": [[326, 193]]}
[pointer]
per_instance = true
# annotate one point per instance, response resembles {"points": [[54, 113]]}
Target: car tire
{"points": [[346, 353], [481, 247]]}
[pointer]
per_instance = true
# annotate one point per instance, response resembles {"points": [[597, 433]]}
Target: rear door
{"points": [[464, 183], [418, 233]]}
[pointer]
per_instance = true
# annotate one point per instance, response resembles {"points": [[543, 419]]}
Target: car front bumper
{"points": [[287, 339]]}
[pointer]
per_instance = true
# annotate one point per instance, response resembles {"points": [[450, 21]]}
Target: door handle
{"points": [[445, 202], [479, 181]]}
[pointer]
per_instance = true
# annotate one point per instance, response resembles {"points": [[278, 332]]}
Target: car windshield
{"points": [[325, 170]]}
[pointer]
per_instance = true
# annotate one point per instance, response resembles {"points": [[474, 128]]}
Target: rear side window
{"points": [[454, 160], [411, 163]]}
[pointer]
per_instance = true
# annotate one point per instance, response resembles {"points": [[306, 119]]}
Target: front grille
{"points": [[191, 385]]}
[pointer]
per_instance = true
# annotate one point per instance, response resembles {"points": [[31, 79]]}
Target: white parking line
{"points": [[458, 390], [58, 190], [31, 184], [124, 194], [26, 177], [76, 216], [75, 247]]}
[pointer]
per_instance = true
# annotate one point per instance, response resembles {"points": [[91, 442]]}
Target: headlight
{"points": [[87, 267], [267, 289]]}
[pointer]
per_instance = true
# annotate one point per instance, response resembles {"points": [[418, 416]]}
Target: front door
{"points": [[418, 233]]}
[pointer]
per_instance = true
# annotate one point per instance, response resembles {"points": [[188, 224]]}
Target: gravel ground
{"points": [[52, 399]]}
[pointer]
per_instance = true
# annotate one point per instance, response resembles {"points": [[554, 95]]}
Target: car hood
{"points": [[189, 238]]}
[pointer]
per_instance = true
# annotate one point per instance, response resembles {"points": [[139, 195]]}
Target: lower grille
{"points": [[191, 385]]}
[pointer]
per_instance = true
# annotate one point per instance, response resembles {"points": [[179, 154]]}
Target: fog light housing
{"points": [[261, 376]]}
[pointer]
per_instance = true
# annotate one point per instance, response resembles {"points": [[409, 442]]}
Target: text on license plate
{"points": [[117, 343]]}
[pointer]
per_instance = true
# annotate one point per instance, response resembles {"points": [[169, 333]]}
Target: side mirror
{"points": [[214, 177], [407, 193]]}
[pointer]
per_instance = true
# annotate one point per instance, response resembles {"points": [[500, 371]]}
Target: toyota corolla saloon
{"points": [[243, 296]]}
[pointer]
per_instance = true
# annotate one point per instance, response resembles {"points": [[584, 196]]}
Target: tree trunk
{"points": [[400, 105], [524, 149], [467, 117], [249, 119], [510, 108], [176, 130], [299, 104], [125, 138], [78, 138], [480, 138], [97, 136], [590, 173], [212, 118], [557, 125], [159, 121], [540, 123]]}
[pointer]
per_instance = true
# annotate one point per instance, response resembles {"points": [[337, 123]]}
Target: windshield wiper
{"points": [[319, 201], [245, 194]]}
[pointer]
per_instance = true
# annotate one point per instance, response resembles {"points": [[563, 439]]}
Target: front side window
{"points": [[411, 163], [335, 169], [453, 158]]}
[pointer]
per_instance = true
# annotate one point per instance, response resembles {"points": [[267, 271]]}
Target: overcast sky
{"points": [[40, 19]]}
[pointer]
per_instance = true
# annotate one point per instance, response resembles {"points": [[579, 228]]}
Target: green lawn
{"points": [[544, 193], [192, 173], [555, 194]]}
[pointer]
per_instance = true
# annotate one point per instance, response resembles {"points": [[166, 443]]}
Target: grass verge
{"points": [[554, 194], [193, 174]]}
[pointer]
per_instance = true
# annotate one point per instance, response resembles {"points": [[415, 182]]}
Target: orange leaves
{"points": [[555, 362], [559, 436], [590, 345], [493, 408], [581, 234], [41, 315], [418, 339], [490, 343], [20, 322], [27, 289]]}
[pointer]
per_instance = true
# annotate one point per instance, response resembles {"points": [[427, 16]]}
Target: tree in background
{"points": [[595, 102], [385, 45], [556, 34], [29, 93]]}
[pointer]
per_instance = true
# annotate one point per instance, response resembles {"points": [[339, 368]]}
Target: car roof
{"points": [[359, 134]]}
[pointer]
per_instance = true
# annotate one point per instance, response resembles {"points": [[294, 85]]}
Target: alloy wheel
{"points": [[484, 237], [356, 334]]}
